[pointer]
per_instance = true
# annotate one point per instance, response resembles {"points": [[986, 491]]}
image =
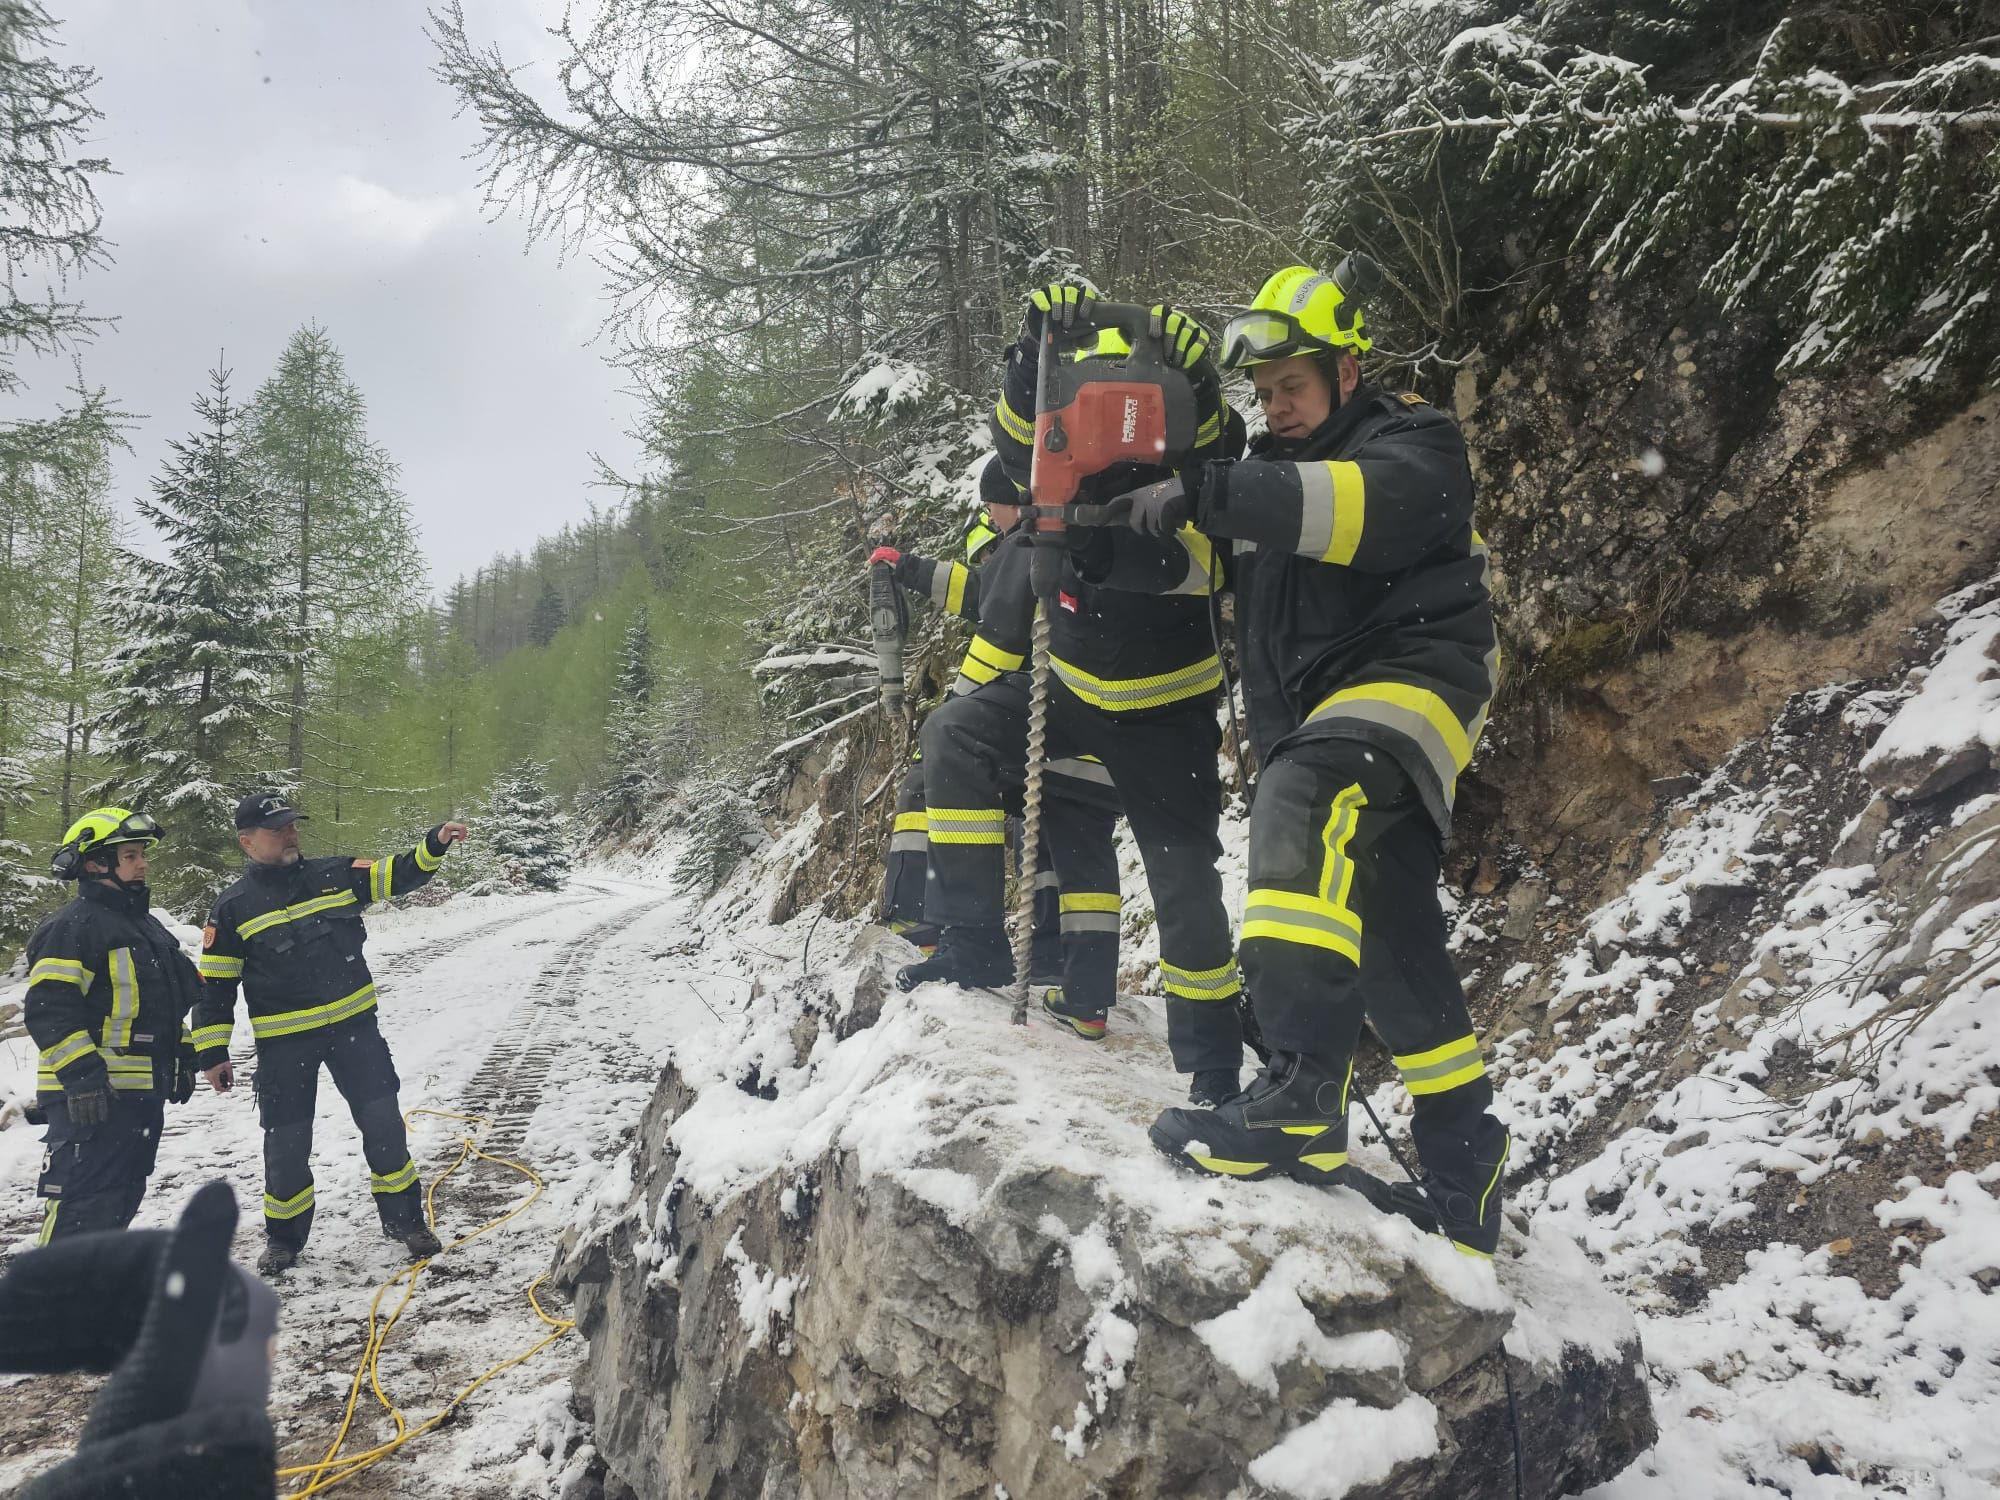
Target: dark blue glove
{"points": [[1158, 510]]}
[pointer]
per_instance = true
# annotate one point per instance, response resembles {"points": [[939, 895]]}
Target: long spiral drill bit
{"points": [[1031, 816]]}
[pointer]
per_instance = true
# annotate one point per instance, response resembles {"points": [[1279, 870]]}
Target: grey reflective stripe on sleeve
{"points": [[1315, 509], [1047, 880], [1078, 770], [940, 583]]}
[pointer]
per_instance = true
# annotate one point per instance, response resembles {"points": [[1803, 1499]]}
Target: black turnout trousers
{"points": [[357, 1057], [1342, 922], [94, 1176], [1162, 765]]}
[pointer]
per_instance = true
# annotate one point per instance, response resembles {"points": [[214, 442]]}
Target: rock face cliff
{"points": [[880, 1244]]}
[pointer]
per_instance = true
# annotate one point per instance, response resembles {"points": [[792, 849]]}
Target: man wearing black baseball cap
{"points": [[289, 931]]}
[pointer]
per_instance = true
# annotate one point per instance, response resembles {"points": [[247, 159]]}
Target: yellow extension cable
{"points": [[333, 1469]]}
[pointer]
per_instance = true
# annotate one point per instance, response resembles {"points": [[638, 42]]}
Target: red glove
{"points": [[887, 555]]}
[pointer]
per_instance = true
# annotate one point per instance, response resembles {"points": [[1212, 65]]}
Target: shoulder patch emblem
{"points": [[208, 936], [1410, 398]]}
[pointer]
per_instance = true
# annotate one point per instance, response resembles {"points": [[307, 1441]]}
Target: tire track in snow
{"points": [[507, 1089]]}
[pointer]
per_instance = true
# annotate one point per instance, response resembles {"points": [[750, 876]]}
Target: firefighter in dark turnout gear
{"points": [[1132, 701], [1370, 657], [289, 932], [1090, 803], [108, 991]]}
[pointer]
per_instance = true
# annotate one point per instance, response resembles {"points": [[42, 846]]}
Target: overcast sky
{"points": [[287, 160]]}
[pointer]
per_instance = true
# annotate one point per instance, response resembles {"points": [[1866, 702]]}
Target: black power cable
{"points": [[1506, 1370]]}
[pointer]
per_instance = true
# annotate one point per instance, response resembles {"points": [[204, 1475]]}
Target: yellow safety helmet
{"points": [[1111, 344], [100, 828], [981, 532], [1298, 311]]}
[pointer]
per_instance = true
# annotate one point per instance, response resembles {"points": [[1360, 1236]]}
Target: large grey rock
{"points": [[943, 1261]]}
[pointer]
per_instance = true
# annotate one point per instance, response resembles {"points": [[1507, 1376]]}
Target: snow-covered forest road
{"points": [[549, 1016]]}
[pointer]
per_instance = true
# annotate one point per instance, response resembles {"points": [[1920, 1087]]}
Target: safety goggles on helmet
{"points": [[1258, 337], [101, 828]]}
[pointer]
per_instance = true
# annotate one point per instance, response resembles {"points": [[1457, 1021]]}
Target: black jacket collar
{"points": [[126, 903]]}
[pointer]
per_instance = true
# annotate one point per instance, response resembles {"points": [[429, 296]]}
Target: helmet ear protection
{"points": [[67, 863]]}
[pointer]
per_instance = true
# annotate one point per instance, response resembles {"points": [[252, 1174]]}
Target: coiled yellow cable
{"points": [[333, 1469]]}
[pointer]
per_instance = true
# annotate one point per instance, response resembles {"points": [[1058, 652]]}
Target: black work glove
{"points": [[90, 1105], [1159, 510], [1064, 301], [185, 1074], [184, 1411]]}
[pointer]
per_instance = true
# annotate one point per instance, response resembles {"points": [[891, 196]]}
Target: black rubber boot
{"points": [[1471, 1221], [919, 935], [1087, 1021], [1466, 1213], [276, 1259], [1214, 1086], [419, 1242], [1290, 1119], [971, 957]]}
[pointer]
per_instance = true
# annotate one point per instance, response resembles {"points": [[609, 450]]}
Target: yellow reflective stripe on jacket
{"points": [[404, 1176], [1442, 1068], [1332, 509], [968, 825], [68, 1050], [285, 914], [1017, 427], [61, 971], [911, 833], [291, 1022], [1088, 901], [1219, 983], [1209, 431], [1202, 575], [381, 878], [948, 586], [427, 861], [132, 1074], [124, 998], [289, 1208], [1416, 713], [217, 1035], [985, 661], [906, 821], [219, 966], [1125, 694]]}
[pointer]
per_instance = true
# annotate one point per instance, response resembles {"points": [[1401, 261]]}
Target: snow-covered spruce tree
{"points": [[719, 828], [1846, 183], [24, 891], [633, 783], [192, 693], [526, 838]]}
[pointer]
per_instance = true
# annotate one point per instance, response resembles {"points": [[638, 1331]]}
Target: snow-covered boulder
{"points": [[887, 1244]]}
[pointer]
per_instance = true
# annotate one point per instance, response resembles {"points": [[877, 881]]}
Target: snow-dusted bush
{"points": [[720, 826]]}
